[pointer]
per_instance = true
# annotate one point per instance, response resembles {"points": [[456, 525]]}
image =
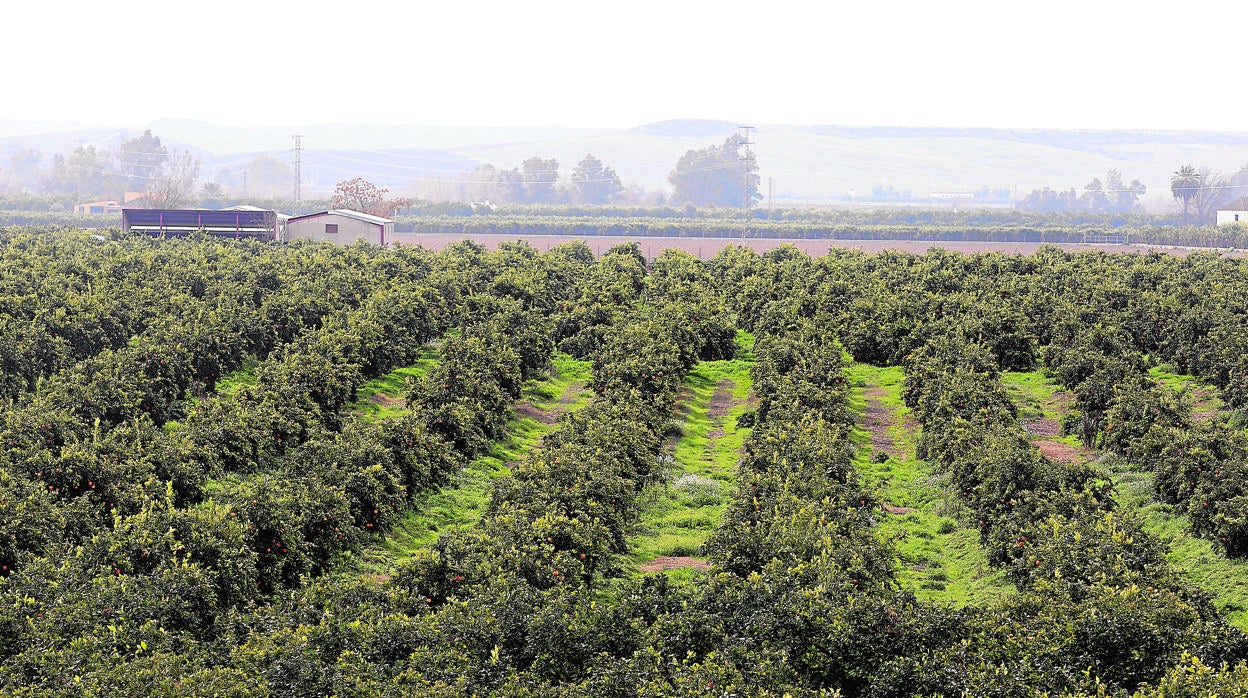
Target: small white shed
{"points": [[1234, 212], [341, 226]]}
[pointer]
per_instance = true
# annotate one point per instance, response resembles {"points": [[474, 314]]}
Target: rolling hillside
{"points": [[804, 164]]}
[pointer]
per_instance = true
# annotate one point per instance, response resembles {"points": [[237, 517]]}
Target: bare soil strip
{"points": [[550, 416], [386, 401], [721, 401], [1057, 451], [1045, 431], [1203, 407], [877, 420], [1043, 427], [659, 564], [897, 510], [569, 397], [537, 414]]}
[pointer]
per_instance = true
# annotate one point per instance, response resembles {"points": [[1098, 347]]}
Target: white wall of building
{"points": [[349, 230], [1229, 217]]}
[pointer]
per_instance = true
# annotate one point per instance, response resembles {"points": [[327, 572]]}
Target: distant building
{"points": [[281, 217], [244, 222], [98, 207], [341, 226], [1234, 212], [130, 198]]}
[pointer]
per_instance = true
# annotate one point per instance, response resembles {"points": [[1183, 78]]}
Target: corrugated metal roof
{"points": [[367, 218], [247, 207]]}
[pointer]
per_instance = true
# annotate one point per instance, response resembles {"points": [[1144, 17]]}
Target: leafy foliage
{"points": [[184, 494]]}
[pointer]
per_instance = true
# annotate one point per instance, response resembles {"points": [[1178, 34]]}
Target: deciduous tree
{"points": [[595, 182], [361, 195], [540, 176], [141, 159], [716, 176], [173, 185]]}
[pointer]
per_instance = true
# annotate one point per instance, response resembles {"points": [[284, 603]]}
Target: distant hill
{"points": [[396, 170], [683, 128], [799, 163], [817, 164]]}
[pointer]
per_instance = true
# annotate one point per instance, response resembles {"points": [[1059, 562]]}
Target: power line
{"points": [[745, 175], [298, 166]]}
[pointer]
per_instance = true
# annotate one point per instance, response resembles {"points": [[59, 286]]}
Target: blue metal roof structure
{"points": [[261, 225]]}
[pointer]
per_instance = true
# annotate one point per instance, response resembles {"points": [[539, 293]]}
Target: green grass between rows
{"points": [[939, 558], [682, 510], [391, 387], [1035, 395], [461, 504], [1197, 560]]}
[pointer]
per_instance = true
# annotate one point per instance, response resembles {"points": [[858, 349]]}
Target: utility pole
{"points": [[749, 158], [298, 173], [745, 176], [78, 175]]}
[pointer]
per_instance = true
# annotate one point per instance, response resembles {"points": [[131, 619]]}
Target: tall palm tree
{"points": [[1185, 186]]}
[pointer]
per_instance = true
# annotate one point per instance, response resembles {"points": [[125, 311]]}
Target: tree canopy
{"points": [[595, 182], [141, 159], [361, 195], [716, 176]]}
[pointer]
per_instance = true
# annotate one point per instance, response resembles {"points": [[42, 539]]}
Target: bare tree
{"points": [[173, 185], [361, 195], [1213, 192]]}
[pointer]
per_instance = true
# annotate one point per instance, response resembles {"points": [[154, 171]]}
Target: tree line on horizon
{"points": [[722, 176], [719, 175], [165, 178], [1199, 193]]}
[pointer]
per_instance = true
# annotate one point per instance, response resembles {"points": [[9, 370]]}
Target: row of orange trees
{"points": [[134, 529], [1198, 465], [513, 604], [1098, 609], [878, 226], [89, 441], [1098, 600], [145, 580]]}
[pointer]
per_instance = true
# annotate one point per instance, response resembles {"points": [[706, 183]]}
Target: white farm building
{"points": [[1234, 212], [341, 226]]}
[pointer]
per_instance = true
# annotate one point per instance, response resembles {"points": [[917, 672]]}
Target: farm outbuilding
{"points": [[258, 223], [1234, 212], [98, 207], [341, 226]]}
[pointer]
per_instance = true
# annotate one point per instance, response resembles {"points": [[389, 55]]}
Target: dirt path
{"points": [[717, 408], [1058, 451], [685, 506], [939, 560], [549, 416], [1203, 406], [1044, 432], [386, 401], [877, 420], [1043, 427], [461, 503], [659, 564]]}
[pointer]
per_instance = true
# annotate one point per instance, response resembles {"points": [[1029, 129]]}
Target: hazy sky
{"points": [[594, 64]]}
